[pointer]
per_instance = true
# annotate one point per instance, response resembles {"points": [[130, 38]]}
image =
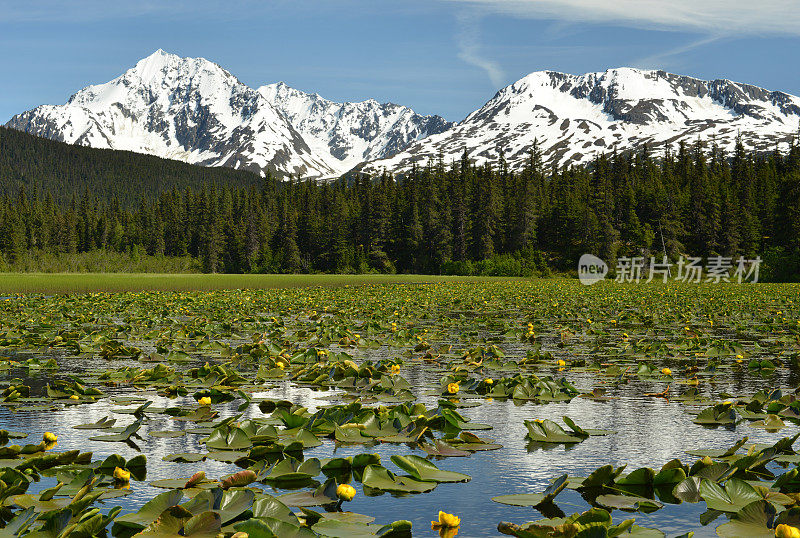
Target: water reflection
{"points": [[650, 432]]}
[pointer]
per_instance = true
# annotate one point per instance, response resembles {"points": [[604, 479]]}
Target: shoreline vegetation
{"points": [[13, 284], [78, 283], [109, 211]]}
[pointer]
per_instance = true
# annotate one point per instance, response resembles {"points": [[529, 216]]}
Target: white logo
{"points": [[591, 269]]}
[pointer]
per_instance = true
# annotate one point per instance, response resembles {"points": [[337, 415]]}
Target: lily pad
{"points": [[731, 497], [381, 479], [424, 470], [534, 499], [122, 436]]}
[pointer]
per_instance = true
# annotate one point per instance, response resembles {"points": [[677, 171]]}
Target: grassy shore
{"points": [[57, 283]]}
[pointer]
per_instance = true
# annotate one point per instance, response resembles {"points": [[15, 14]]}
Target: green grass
{"points": [[58, 283]]}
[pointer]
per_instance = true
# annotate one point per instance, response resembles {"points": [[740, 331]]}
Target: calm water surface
{"points": [[650, 432]]}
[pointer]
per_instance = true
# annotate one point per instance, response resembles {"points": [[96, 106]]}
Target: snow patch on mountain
{"points": [[188, 109], [193, 110], [574, 118], [351, 133]]}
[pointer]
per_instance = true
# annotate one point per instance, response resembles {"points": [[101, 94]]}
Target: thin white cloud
{"points": [[665, 59], [720, 17], [469, 48]]}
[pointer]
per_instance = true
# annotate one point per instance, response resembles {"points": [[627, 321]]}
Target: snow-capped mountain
{"points": [[193, 110], [574, 118], [187, 109], [351, 133]]}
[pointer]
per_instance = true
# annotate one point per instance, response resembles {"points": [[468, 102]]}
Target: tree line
{"points": [[452, 218]]}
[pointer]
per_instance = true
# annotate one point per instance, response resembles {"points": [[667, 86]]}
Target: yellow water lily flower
{"points": [[122, 475], [560, 362], [488, 381], [453, 388], [49, 437], [395, 368], [786, 531], [345, 492], [446, 521], [205, 400], [666, 371], [74, 397]]}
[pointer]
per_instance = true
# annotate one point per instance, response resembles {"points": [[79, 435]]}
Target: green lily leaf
{"points": [[424, 470], [732, 497], [547, 431], [381, 479], [150, 511], [534, 499], [754, 521], [122, 436]]}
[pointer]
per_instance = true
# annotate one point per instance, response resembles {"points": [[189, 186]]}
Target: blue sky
{"points": [[443, 57]]}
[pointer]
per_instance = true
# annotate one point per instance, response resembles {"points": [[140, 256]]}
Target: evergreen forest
{"points": [[442, 218]]}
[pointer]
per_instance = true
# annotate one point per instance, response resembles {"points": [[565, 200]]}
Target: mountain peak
{"points": [[193, 110], [152, 66], [188, 109], [158, 76], [354, 132], [576, 117], [280, 89], [160, 53], [162, 66]]}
